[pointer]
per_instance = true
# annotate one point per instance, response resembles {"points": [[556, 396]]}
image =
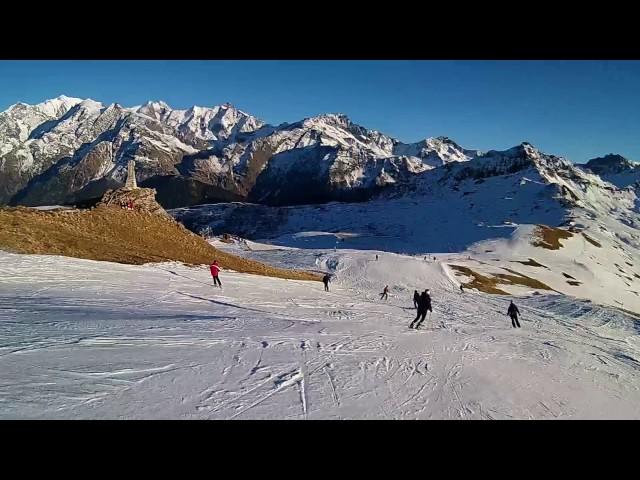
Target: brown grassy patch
{"points": [[591, 240], [574, 283], [549, 237], [520, 279], [479, 282], [568, 276], [532, 263], [122, 236], [488, 284]]}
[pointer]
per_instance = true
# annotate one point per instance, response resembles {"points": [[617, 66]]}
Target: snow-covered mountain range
{"points": [[67, 150]]}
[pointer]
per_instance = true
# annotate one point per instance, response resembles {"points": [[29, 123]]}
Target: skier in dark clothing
{"points": [[461, 289], [424, 306], [376, 258], [385, 293], [325, 280], [513, 312], [416, 298]]}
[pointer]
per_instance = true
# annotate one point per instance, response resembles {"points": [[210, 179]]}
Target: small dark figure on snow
{"points": [[215, 270], [461, 289], [416, 298], [385, 293], [325, 280], [513, 312], [424, 306], [376, 257]]}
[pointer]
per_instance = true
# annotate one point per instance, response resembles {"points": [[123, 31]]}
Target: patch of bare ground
{"points": [[549, 237], [591, 240], [488, 284], [532, 263]]}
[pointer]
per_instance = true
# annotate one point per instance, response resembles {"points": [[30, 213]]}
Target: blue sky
{"points": [[578, 109]]}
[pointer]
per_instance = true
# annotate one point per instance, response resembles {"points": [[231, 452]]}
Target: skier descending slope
{"points": [[416, 298], [513, 312], [424, 306], [385, 293], [215, 270], [325, 280]]}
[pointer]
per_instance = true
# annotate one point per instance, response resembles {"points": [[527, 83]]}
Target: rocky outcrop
{"points": [[140, 199]]}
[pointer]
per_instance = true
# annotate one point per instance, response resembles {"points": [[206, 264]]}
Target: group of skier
{"points": [[422, 302]]}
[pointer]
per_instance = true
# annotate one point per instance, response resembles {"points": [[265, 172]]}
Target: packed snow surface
{"points": [[93, 340]]}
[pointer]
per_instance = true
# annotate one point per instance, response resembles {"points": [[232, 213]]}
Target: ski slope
{"points": [[94, 340]]}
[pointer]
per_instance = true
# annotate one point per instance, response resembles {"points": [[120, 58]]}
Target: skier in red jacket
{"points": [[215, 270]]}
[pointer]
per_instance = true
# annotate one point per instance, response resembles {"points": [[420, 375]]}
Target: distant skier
{"points": [[385, 293], [215, 270], [416, 298], [376, 257], [325, 280], [513, 312], [425, 258], [461, 289], [424, 306]]}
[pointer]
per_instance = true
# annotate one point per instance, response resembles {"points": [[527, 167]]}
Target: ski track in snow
{"points": [[83, 339]]}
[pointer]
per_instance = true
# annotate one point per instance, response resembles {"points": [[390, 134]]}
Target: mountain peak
{"points": [[157, 104], [611, 163], [339, 118]]}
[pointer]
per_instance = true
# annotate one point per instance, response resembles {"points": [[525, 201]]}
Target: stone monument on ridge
{"points": [[142, 200], [131, 184]]}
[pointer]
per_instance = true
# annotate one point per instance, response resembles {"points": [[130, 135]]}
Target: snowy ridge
{"points": [[436, 152], [68, 149], [615, 169]]}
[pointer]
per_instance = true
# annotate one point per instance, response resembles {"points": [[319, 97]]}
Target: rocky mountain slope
{"points": [[68, 150], [615, 169]]}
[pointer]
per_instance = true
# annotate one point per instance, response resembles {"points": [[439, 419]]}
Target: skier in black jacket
{"points": [[325, 280], [385, 293], [513, 312], [424, 306], [416, 298]]}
